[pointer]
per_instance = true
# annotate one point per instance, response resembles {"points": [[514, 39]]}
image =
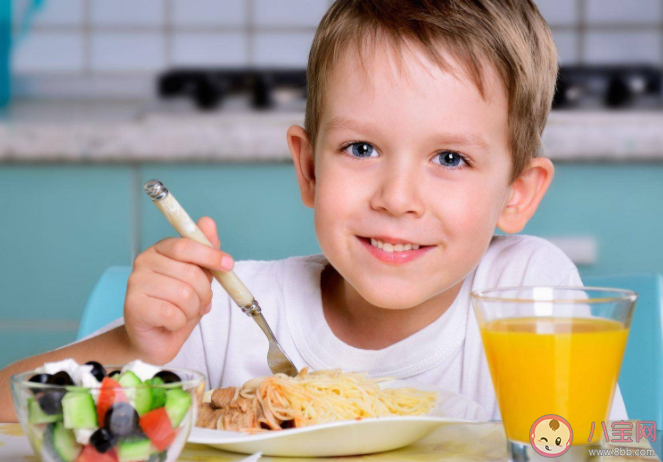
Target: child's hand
{"points": [[169, 291]]}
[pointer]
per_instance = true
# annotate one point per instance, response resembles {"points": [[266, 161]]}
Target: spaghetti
{"points": [[279, 401]]}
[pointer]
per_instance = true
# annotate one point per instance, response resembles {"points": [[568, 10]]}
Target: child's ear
{"points": [[525, 194], [302, 155]]}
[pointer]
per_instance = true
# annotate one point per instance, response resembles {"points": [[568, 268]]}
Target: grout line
{"points": [[168, 32], [117, 28], [54, 29], [86, 32], [581, 43], [39, 325], [661, 34], [250, 32]]}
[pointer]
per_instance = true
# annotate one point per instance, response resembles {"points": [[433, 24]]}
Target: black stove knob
{"points": [[618, 94], [208, 94], [262, 92]]}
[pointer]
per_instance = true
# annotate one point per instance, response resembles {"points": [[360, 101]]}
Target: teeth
{"points": [[387, 247]]}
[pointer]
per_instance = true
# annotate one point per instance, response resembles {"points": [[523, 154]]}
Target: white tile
{"points": [[209, 12], [128, 12], [190, 49], [627, 47], [49, 51], [567, 46], [623, 11], [559, 12], [282, 50], [289, 12], [54, 13], [127, 52]]}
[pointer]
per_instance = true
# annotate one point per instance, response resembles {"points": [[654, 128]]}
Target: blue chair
{"points": [[106, 303], [641, 378]]}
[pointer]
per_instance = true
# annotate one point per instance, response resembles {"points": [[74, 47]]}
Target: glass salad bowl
{"points": [[125, 415]]}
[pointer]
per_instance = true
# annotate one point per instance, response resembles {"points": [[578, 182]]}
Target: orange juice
{"points": [[546, 365]]}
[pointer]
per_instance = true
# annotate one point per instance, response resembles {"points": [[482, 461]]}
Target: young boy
{"points": [[423, 122]]}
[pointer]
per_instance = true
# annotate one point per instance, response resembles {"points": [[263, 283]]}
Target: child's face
{"points": [[431, 167], [551, 442]]}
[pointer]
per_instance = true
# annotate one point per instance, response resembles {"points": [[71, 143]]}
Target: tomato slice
{"points": [[109, 394], [157, 427], [89, 454]]}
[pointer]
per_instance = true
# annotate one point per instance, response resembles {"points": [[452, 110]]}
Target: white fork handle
{"points": [[186, 227]]}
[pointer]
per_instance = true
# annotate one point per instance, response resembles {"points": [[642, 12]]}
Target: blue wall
{"points": [[620, 204], [63, 225]]}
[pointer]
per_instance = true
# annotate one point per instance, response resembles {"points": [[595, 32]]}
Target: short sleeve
{"points": [[572, 280]]}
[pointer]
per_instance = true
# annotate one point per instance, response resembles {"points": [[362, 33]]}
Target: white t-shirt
{"points": [[230, 349]]}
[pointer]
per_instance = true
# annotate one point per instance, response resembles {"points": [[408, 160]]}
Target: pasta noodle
{"points": [[280, 401]]}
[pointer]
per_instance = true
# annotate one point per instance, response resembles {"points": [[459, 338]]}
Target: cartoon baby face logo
{"points": [[551, 435]]}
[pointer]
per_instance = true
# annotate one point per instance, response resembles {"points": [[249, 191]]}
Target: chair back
{"points": [[106, 303]]}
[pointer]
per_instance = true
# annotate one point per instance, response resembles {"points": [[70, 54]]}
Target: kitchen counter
{"points": [[136, 132]]}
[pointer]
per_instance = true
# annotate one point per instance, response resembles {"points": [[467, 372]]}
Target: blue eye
{"points": [[450, 159], [361, 150]]}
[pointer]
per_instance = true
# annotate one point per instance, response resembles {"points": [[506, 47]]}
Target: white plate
{"points": [[350, 437]]}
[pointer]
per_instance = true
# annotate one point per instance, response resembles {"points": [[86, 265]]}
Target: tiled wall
{"points": [[110, 37], [606, 31], [135, 36]]}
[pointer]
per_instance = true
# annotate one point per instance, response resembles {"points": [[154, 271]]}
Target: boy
{"points": [[422, 123]]}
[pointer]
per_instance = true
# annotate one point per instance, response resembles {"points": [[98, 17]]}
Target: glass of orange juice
{"points": [[554, 355]]}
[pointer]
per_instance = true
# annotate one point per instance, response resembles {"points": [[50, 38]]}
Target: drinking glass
{"points": [[554, 355]]}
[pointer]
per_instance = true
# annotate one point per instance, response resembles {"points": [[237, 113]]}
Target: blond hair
{"points": [[509, 34]]}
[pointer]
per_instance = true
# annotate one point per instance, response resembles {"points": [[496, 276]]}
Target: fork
{"points": [[277, 360]]}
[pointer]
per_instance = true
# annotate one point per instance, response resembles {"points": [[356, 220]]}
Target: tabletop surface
{"points": [[466, 442]]}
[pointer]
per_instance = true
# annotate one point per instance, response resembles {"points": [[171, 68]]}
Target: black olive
{"points": [[103, 440], [50, 401], [61, 378], [97, 370], [121, 419], [39, 378], [114, 373], [168, 377]]}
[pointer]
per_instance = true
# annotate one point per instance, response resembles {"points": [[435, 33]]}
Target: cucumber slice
{"points": [[79, 410], [128, 379], [142, 396], [134, 450], [35, 435], [37, 416], [60, 443], [158, 392], [178, 403]]}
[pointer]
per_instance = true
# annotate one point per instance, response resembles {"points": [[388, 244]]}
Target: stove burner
{"points": [[208, 87], [614, 87]]}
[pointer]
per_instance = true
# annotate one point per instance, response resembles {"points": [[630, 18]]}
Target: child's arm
{"points": [[169, 291]]}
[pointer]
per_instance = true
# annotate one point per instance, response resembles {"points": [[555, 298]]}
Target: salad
{"points": [[82, 413]]}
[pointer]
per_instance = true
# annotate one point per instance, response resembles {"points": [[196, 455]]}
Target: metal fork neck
{"points": [[252, 310]]}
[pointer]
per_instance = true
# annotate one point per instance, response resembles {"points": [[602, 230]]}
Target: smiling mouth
{"points": [[392, 245], [547, 448]]}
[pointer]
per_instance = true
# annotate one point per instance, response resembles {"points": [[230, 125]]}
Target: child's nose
{"points": [[398, 191]]}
